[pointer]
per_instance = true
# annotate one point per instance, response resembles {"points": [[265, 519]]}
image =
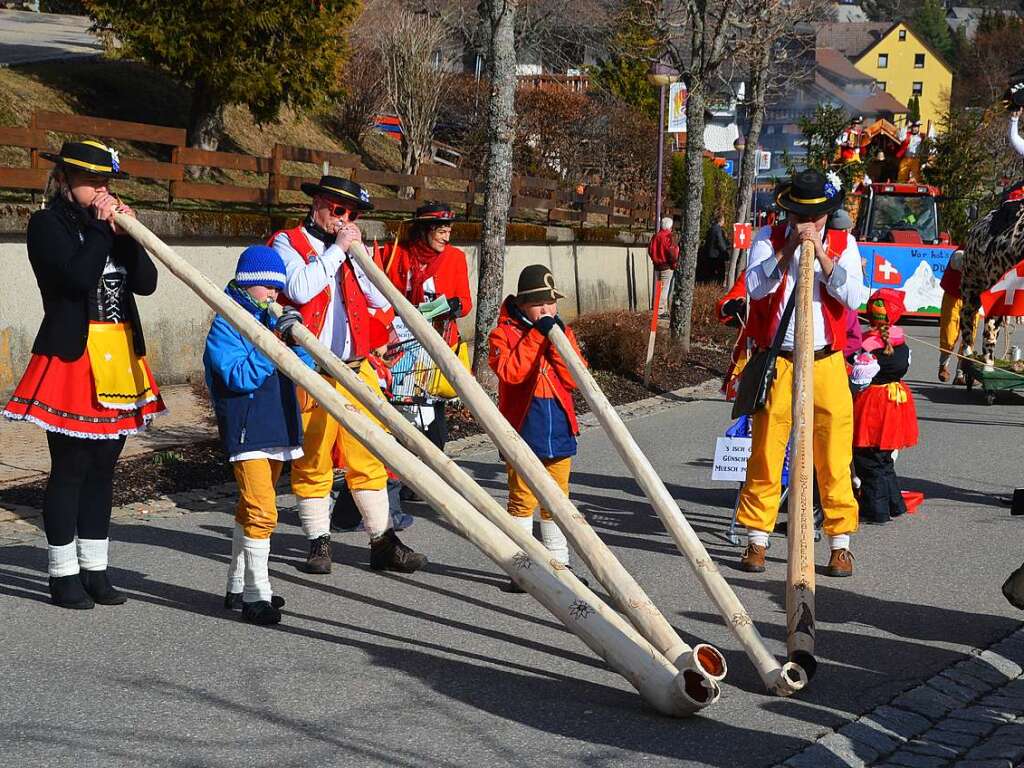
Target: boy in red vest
{"points": [[838, 285], [343, 308], [535, 395]]}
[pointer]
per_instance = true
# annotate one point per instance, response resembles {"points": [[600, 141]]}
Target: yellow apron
{"points": [[119, 375]]}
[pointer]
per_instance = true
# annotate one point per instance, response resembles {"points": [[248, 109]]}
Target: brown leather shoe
{"points": [[753, 558], [840, 563]]}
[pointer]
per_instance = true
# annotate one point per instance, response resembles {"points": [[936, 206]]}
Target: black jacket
{"points": [[68, 250]]}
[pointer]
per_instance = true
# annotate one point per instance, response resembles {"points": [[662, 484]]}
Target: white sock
{"points": [[373, 506], [63, 560], [842, 541], [236, 571], [760, 538], [554, 540], [92, 554], [525, 523], [315, 517], [257, 573]]}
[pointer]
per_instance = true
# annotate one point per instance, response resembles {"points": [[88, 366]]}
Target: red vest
{"points": [[368, 333], [763, 319]]}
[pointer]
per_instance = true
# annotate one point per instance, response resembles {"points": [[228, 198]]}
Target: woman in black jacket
{"points": [[87, 384]]}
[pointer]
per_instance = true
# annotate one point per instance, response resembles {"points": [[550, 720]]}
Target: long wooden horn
{"points": [[784, 679], [800, 526], [665, 688], [629, 595], [703, 658]]}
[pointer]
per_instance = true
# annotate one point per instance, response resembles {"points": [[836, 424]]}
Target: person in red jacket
{"points": [[664, 255], [535, 394]]}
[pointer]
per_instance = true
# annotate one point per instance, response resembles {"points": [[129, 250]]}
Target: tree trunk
{"points": [[205, 124], [686, 271], [498, 180], [410, 164]]}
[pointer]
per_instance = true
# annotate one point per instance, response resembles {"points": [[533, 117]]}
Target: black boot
{"points": [[319, 560], [67, 592], [233, 601], [98, 585], [388, 553], [261, 613]]}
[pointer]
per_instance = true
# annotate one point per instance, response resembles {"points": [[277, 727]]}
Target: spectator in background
{"points": [[854, 335], [664, 255], [714, 252]]}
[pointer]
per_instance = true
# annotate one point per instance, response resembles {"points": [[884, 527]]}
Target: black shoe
{"points": [[319, 560], [68, 592], [98, 585], [233, 601], [261, 612], [388, 553]]}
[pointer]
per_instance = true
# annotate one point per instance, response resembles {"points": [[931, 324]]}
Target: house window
{"points": [[918, 61], [903, 35], [883, 60], [917, 88], [880, 85]]}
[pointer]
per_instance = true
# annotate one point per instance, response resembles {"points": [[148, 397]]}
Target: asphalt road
{"points": [[443, 669], [28, 37]]}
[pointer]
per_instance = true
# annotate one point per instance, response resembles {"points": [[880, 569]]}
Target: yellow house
{"points": [[900, 62]]}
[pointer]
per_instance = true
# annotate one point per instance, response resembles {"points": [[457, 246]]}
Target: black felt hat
{"points": [[536, 283], [811, 193], [434, 213], [342, 189], [1014, 96], [90, 156]]}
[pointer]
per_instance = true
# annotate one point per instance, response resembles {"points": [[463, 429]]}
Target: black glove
{"points": [[455, 307], [546, 323], [733, 307], [290, 317]]}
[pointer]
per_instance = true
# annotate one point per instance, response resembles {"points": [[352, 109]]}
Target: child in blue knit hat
{"points": [[259, 424]]}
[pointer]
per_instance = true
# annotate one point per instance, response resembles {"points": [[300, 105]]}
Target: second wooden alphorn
{"points": [[665, 688], [703, 658], [621, 585], [784, 679], [800, 525]]}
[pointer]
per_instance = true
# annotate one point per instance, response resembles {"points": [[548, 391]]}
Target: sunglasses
{"points": [[340, 209]]}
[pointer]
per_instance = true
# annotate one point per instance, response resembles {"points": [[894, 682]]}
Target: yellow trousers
{"points": [[313, 474], [833, 449], [949, 322], [256, 510], [522, 502]]}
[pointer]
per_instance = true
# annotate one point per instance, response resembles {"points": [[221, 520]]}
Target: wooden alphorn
{"points": [[800, 525], [623, 588], [665, 688], [784, 679], [703, 658]]}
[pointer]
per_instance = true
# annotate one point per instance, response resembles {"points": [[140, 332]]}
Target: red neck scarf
{"points": [[424, 262]]}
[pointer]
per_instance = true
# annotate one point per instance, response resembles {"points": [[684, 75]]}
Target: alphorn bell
{"points": [[800, 525], [783, 679], [621, 585], [658, 681], [703, 658]]}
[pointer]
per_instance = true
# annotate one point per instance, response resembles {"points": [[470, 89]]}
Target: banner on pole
{"points": [[742, 234], [677, 108], [730, 463]]}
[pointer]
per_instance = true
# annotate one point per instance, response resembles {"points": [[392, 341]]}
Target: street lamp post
{"points": [[661, 75], [740, 146]]}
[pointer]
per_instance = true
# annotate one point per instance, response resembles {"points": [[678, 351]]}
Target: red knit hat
{"points": [[893, 301]]}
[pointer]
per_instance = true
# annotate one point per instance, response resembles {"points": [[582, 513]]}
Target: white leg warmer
{"points": [[526, 523], [257, 574], [236, 571], [373, 506], [92, 554], [315, 517], [760, 538], [554, 540], [842, 541], [63, 560]]}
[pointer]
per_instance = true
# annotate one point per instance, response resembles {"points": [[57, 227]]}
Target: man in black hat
{"points": [[838, 286], [340, 305]]}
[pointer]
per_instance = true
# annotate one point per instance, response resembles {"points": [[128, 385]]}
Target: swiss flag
{"points": [[886, 273], [742, 234], [1006, 297]]}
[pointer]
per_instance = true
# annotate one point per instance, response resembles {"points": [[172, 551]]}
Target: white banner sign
{"points": [[731, 454], [677, 108]]}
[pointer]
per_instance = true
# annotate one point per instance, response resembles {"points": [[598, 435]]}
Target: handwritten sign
{"points": [[731, 454]]}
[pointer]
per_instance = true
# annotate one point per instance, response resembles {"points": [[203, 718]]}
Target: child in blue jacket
{"points": [[259, 424]]}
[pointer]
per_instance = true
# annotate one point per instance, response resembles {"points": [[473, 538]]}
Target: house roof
{"points": [[851, 39], [865, 104], [838, 67]]}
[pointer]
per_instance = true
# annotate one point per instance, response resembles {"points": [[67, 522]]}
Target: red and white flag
{"points": [[1006, 297], [742, 234], [886, 273]]}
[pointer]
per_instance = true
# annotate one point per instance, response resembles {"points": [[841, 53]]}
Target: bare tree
{"points": [[415, 77], [363, 96]]}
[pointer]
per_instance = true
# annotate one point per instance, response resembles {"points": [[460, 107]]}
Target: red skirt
{"points": [[61, 397], [881, 422]]}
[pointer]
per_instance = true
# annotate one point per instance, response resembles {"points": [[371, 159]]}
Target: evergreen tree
{"points": [[263, 55], [623, 72], [929, 22], [913, 109]]}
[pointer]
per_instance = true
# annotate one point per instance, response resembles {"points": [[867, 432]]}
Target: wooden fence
{"points": [[276, 179]]}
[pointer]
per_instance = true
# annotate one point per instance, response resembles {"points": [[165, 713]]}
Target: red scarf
{"points": [[423, 263]]}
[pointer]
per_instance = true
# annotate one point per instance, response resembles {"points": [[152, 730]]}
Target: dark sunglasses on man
{"points": [[340, 209]]}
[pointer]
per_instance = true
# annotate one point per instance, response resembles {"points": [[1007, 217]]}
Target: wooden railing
{"points": [[276, 180]]}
